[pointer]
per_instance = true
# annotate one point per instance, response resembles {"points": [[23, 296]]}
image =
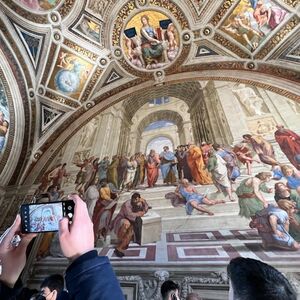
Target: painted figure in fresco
{"points": [[3, 130], [263, 149], [240, 25], [40, 4], [292, 176], [244, 155], [104, 210], [58, 174], [130, 174], [91, 196], [267, 14], [289, 143], [152, 48], [294, 217], [102, 168], [135, 51], [86, 28], [68, 80], [172, 50], [272, 224], [230, 159], [194, 200], [128, 223], [283, 192], [168, 163], [112, 171], [197, 166], [152, 165], [251, 200], [217, 167], [122, 170]]}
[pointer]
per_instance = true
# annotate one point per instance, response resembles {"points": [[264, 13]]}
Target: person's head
{"points": [[216, 147], [135, 198], [169, 290], [252, 279], [264, 176], [247, 137], [185, 182], [52, 286], [280, 188], [145, 20], [279, 126], [193, 296], [287, 205], [166, 148], [287, 170], [152, 152]]}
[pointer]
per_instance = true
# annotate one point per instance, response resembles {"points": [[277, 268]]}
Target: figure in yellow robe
{"points": [[197, 166]]}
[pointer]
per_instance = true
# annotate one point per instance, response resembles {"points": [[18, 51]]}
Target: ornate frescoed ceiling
{"points": [[62, 62]]}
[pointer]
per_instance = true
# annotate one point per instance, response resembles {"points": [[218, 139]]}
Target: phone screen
{"points": [[44, 217]]}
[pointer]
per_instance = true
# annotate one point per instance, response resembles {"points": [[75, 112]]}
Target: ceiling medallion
{"points": [[150, 40], [206, 31], [103, 61]]}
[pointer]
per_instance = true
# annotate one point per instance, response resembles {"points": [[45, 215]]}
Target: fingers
{"points": [[63, 227], [80, 210], [26, 239], [9, 234]]}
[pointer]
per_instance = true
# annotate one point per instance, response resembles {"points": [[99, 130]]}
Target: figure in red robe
{"points": [[289, 143]]}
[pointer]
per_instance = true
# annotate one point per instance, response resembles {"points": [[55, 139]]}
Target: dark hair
{"points": [[253, 279], [247, 136], [54, 282], [135, 196], [216, 146], [167, 287]]}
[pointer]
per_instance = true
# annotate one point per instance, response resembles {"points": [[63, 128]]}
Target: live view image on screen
{"points": [[45, 217]]}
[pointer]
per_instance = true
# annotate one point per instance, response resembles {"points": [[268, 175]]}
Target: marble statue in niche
{"points": [[252, 104], [88, 134]]}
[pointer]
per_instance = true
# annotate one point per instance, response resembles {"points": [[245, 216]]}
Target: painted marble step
{"points": [[204, 222]]}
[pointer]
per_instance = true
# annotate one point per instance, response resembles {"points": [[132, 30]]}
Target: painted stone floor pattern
{"points": [[203, 248]]}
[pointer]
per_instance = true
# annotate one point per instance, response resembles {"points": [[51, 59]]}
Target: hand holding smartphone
{"points": [[45, 217]]}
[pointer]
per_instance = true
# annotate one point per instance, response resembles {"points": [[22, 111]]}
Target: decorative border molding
{"points": [[277, 38], [221, 12]]}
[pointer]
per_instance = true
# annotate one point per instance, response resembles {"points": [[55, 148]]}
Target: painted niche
{"points": [[39, 5], [4, 117], [252, 21], [70, 74], [150, 40]]}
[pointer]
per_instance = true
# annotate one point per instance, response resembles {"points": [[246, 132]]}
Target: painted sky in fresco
{"points": [[158, 125], [158, 143]]}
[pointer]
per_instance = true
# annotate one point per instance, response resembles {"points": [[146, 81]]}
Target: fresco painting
{"points": [[70, 74], [39, 5], [90, 29], [252, 21], [4, 117], [151, 40]]}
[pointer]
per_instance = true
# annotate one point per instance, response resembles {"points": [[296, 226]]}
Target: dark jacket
{"points": [[91, 277]]}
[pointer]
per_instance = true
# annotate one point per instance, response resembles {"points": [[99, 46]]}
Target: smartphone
{"points": [[44, 217]]}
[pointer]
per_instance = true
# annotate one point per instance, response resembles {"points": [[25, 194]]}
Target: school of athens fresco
{"points": [[139, 95]]}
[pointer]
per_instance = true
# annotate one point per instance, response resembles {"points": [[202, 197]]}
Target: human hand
{"points": [[78, 238], [266, 204], [13, 258]]}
